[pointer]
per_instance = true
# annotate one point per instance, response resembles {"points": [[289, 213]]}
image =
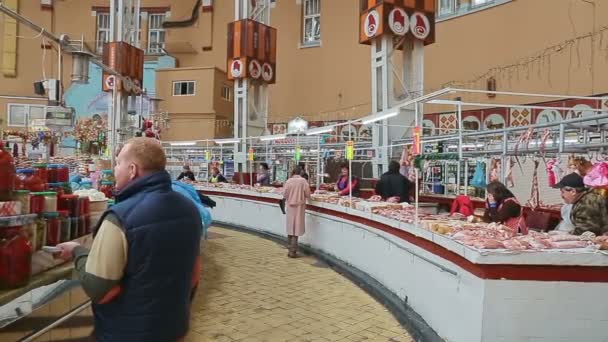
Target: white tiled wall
{"points": [[544, 311], [523, 181]]}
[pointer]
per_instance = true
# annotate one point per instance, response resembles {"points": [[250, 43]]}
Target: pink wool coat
{"points": [[296, 192]]}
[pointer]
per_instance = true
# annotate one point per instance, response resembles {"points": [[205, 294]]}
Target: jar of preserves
{"points": [[50, 201], [40, 233], [23, 196], [84, 222], [41, 172], [74, 229], [27, 222], [53, 228], [15, 258], [51, 172], [64, 217], [63, 173], [69, 203], [7, 175], [107, 188], [37, 202], [59, 188], [28, 180]]}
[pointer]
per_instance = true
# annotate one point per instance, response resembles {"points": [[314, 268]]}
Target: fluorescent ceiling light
{"points": [[444, 102], [183, 143], [380, 116], [227, 141], [273, 137], [319, 130]]}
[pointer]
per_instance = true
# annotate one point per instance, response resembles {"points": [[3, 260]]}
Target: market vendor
{"points": [[346, 182], [502, 207], [589, 211], [263, 176], [216, 176], [393, 184], [186, 173]]}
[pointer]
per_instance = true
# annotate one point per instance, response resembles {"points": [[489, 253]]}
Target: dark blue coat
{"points": [[163, 230]]}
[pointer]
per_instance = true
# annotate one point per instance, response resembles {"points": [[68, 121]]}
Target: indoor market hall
{"points": [[303, 170]]}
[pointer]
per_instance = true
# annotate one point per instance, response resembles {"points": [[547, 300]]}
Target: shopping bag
{"points": [[479, 177]]}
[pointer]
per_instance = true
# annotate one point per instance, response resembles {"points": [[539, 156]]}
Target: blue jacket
{"points": [[189, 191], [163, 230]]}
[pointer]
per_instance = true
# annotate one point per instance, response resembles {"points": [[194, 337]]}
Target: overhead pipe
{"points": [[188, 22]]}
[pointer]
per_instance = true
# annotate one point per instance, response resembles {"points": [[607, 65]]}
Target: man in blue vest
{"points": [[139, 271]]}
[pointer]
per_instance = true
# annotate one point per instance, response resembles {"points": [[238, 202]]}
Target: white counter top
{"points": [[577, 257]]}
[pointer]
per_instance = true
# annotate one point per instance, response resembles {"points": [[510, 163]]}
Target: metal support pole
{"points": [[318, 161], [350, 168], [58, 322], [504, 159], [562, 138], [416, 172]]}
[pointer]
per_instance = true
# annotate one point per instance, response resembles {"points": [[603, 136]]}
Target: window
{"points": [[183, 88], [311, 22], [21, 115], [156, 33], [447, 7], [133, 23], [226, 92], [103, 30]]}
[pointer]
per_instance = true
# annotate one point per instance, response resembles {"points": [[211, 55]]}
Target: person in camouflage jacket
{"points": [[590, 213], [590, 206]]}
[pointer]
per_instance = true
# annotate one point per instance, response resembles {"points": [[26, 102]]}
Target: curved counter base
{"points": [[460, 300]]}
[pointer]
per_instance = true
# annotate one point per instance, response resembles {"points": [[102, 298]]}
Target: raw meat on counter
{"points": [[481, 236]]}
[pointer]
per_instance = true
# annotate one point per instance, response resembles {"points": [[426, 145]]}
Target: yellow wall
{"points": [[333, 81]]}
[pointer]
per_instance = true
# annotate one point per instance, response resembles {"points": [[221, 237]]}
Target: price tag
{"points": [[416, 147], [350, 150]]}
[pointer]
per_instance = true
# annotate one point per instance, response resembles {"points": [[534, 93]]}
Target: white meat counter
{"points": [[464, 286]]}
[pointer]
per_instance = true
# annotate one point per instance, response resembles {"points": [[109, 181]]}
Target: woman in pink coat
{"points": [[297, 191]]}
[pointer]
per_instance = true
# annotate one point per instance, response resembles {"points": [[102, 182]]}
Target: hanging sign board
{"points": [[207, 155], [298, 153], [250, 154], [417, 133], [350, 150]]}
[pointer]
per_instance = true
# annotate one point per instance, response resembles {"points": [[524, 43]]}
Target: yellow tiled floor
{"points": [[250, 291]]}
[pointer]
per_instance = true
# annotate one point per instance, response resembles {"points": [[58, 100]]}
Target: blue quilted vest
{"points": [[163, 230]]}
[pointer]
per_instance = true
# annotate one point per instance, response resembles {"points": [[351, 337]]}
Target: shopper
{"points": [[303, 168], [393, 184], [216, 176], [346, 182], [296, 192], [502, 207], [263, 176], [186, 173], [589, 207], [139, 271]]}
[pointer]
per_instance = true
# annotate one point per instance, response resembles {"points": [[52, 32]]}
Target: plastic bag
{"points": [[598, 177], [479, 177]]}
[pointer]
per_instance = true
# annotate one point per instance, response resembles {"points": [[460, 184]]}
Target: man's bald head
{"points": [[137, 158]]}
